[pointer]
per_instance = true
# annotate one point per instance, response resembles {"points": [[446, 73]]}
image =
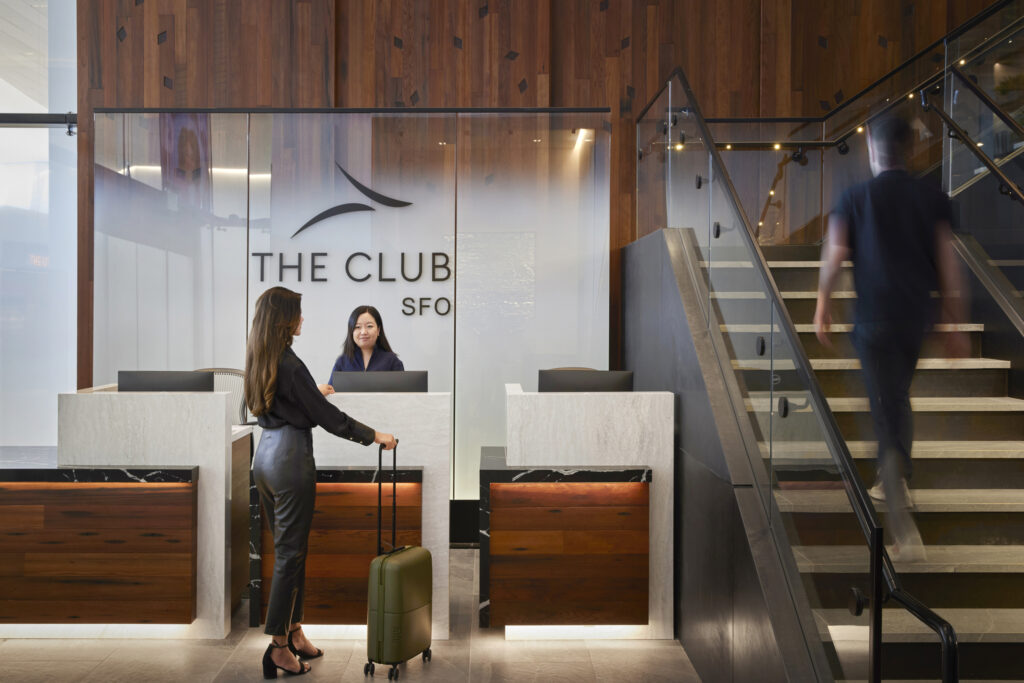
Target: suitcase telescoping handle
{"points": [[394, 496]]}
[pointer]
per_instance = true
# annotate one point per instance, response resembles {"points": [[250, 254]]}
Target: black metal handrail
{"points": [[1006, 186], [863, 509], [1010, 122]]}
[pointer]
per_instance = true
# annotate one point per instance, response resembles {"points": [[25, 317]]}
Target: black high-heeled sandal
{"points": [[270, 667], [299, 653]]}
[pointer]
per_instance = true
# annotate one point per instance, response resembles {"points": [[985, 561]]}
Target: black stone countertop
{"points": [[82, 474]]}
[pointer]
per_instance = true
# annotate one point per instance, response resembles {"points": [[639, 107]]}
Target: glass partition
{"points": [[531, 257], [170, 242], [480, 238]]}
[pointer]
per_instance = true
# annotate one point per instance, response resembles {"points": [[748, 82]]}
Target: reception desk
{"points": [[342, 542], [563, 546], [140, 435], [588, 436], [422, 422]]}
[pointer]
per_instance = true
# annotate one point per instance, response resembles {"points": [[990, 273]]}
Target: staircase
{"points": [[968, 486]]}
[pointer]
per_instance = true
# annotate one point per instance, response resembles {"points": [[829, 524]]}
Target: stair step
{"points": [[831, 501], [900, 626], [924, 404], [922, 450], [854, 364], [941, 559], [840, 328], [772, 265]]}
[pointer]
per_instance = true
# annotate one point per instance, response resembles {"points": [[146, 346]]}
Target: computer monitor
{"points": [[380, 381], [585, 380], [164, 380]]}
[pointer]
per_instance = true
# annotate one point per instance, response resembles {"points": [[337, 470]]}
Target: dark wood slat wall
{"points": [[569, 553], [342, 542], [744, 58], [92, 553]]}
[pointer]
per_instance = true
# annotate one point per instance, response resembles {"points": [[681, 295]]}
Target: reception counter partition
{"points": [[570, 433], [136, 437], [98, 546], [422, 422], [342, 542]]}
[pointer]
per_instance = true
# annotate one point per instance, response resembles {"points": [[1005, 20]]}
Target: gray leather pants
{"points": [[285, 476]]}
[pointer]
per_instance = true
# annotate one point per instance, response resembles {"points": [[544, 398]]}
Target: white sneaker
{"points": [[910, 549], [878, 492]]}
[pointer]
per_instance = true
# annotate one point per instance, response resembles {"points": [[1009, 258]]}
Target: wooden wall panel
{"points": [[836, 49], [342, 542], [94, 553], [569, 553], [742, 57]]}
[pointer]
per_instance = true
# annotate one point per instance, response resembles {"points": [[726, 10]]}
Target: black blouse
{"points": [[299, 403]]}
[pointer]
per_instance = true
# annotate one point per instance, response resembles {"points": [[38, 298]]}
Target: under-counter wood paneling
{"points": [[86, 552], [342, 542], [240, 450], [569, 553]]}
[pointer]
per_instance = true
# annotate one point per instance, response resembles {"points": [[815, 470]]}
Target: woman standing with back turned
{"points": [[281, 393]]}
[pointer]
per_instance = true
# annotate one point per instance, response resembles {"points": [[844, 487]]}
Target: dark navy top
{"points": [[297, 402], [892, 222], [379, 360]]}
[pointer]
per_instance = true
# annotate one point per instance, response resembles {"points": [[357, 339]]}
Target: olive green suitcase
{"points": [[399, 596]]}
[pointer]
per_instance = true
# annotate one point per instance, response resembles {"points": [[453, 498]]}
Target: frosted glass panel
{"points": [[38, 238], [532, 265], [170, 242], [481, 239], [390, 248]]}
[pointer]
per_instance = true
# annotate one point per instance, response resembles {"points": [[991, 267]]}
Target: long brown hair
{"points": [[278, 311]]}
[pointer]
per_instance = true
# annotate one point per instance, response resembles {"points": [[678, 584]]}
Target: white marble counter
{"points": [[140, 430], [577, 430], [422, 422]]}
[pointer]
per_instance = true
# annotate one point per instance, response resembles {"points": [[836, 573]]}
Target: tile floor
{"points": [[471, 654]]}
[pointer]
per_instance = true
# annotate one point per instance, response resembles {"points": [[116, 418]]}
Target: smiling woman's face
{"points": [[365, 332]]}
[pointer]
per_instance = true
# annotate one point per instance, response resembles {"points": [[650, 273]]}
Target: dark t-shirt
{"points": [[299, 403], [892, 222]]}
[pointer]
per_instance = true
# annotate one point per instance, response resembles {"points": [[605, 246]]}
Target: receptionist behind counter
{"points": [[366, 347]]}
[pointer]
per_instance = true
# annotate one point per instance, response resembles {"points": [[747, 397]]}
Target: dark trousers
{"points": [[888, 355], [285, 476]]}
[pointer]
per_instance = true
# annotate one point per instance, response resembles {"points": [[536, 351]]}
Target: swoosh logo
{"points": [[352, 207], [334, 211]]}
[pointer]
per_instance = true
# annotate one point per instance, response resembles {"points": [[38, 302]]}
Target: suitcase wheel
{"points": [[427, 655], [368, 669], [393, 673]]}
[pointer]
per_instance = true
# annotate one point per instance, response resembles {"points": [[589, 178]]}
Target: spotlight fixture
{"points": [[679, 146], [910, 96], [843, 148], [682, 138], [771, 193], [860, 129], [728, 146], [962, 62], [799, 157], [776, 146]]}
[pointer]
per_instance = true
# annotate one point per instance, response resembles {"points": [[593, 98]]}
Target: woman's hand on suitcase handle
{"points": [[387, 440]]}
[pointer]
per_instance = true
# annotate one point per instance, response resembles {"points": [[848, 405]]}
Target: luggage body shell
{"points": [[399, 595], [399, 605]]}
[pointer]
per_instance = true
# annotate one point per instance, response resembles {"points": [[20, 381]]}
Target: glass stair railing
{"points": [[824, 526]]}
